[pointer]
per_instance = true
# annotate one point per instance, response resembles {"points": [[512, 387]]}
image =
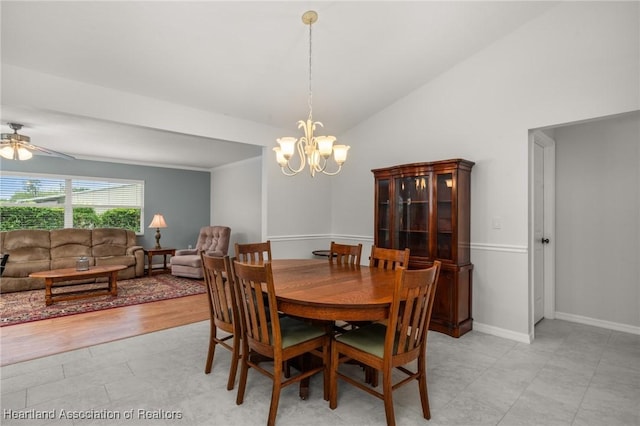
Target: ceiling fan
{"points": [[18, 147]]}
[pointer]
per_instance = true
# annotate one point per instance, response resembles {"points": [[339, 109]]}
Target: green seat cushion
{"points": [[369, 338], [295, 331]]}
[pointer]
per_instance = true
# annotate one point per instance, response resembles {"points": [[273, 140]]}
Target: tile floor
{"points": [[571, 375]]}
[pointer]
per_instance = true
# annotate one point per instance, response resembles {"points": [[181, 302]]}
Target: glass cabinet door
{"points": [[383, 214], [411, 215], [444, 216]]}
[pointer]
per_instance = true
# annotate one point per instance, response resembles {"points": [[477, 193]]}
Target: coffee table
{"points": [[67, 274]]}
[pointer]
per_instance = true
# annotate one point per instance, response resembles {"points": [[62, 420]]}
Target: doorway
{"points": [[542, 227]]}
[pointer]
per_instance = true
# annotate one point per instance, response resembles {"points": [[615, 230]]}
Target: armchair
{"points": [[212, 240]]}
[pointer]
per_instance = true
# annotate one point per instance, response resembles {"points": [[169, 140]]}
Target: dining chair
{"points": [[392, 346], [345, 254], [254, 252], [280, 338], [224, 311], [386, 258]]}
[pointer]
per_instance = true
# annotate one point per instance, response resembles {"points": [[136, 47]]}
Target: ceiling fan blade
{"points": [[46, 151]]}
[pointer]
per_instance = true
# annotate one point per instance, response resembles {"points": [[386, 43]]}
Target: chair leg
{"points": [[235, 356], [326, 361], [422, 385], [333, 377], [212, 349], [387, 391], [275, 394], [243, 375], [374, 378]]}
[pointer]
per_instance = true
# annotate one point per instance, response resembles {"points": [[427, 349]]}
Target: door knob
{"points": [[545, 240]]}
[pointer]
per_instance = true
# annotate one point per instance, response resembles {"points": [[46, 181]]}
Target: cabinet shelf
{"points": [[425, 207]]}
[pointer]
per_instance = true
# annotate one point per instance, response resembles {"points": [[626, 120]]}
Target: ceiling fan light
{"points": [[7, 152], [24, 153]]}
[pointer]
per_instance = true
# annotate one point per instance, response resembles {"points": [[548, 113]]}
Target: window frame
{"points": [[68, 193]]}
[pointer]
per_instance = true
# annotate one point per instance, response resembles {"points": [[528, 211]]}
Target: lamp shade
{"points": [[158, 221]]}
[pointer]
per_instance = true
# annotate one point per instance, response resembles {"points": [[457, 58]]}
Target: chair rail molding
{"points": [[509, 248], [312, 237]]}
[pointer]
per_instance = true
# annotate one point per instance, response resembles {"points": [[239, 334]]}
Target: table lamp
{"points": [[158, 222]]}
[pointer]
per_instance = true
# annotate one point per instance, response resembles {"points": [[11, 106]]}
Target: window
{"points": [[29, 201]]}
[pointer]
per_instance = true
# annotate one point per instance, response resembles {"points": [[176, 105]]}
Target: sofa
{"points": [[33, 250], [212, 240]]}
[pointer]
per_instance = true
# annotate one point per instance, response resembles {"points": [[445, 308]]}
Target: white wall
{"points": [[578, 61], [236, 200], [598, 220], [298, 210]]}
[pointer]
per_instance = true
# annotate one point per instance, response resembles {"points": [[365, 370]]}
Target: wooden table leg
{"points": [[149, 263], [48, 300], [113, 283]]}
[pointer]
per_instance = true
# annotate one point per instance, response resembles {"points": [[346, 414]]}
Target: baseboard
{"points": [[501, 332], [625, 328]]}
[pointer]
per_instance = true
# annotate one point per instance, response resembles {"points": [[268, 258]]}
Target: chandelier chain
{"points": [[310, 98]]}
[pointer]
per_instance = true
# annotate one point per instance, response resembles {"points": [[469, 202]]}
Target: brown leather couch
{"points": [[39, 250], [212, 240]]}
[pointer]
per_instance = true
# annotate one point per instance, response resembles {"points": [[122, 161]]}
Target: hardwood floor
{"points": [[37, 339]]}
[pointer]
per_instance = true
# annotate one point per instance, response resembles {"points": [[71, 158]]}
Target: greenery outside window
{"points": [[29, 201]]}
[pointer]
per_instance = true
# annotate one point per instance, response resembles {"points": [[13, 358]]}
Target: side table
{"points": [[150, 252]]}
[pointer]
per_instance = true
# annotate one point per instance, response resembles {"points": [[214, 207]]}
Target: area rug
{"points": [[26, 306]]}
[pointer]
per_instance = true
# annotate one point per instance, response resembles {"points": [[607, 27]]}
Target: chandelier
{"points": [[313, 151]]}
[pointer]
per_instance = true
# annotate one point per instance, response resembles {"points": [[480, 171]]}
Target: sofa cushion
{"points": [[187, 271], [70, 243], [110, 242], [26, 245], [192, 260]]}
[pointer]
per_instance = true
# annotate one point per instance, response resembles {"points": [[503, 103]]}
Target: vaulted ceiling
{"points": [[241, 59]]}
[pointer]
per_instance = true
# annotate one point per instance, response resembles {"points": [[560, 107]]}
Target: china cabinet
{"points": [[426, 207]]}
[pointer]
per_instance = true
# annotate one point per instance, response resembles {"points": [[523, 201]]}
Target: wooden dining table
{"points": [[319, 290]]}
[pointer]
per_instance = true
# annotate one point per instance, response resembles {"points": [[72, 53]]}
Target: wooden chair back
{"points": [[221, 291], [345, 254], [224, 311], [401, 341], [385, 258], [410, 312], [254, 252], [259, 313]]}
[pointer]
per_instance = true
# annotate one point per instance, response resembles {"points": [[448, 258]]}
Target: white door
{"points": [[542, 227], [538, 232]]}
